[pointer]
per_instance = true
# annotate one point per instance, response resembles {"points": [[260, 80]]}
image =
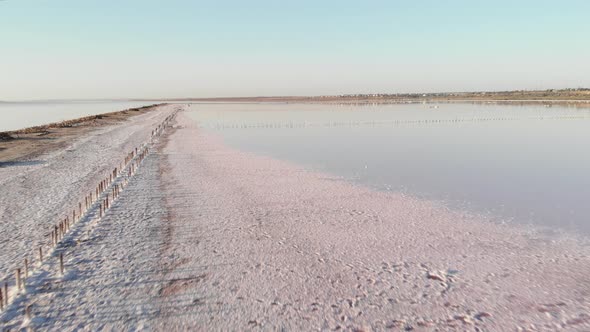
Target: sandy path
{"points": [[275, 246], [35, 195]]}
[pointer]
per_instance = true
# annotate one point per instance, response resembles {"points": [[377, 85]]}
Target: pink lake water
{"points": [[517, 164]]}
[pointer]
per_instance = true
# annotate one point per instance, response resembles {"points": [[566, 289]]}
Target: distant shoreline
{"points": [[72, 122], [551, 95], [554, 96], [31, 142]]}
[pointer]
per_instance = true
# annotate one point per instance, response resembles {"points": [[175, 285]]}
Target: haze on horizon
{"points": [[153, 49]]}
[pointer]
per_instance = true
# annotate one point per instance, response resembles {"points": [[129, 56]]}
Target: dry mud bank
{"points": [[29, 143], [274, 246]]}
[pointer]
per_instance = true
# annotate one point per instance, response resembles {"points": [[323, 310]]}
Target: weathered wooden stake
{"points": [[100, 213], [26, 267], [61, 263], [28, 312], [40, 255], [6, 293], [1, 300], [17, 277]]}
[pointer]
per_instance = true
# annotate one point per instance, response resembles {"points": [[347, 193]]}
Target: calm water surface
{"points": [[525, 164], [28, 114]]}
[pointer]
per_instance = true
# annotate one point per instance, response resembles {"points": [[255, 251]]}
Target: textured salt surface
{"points": [[111, 268], [210, 238], [35, 197], [280, 247]]}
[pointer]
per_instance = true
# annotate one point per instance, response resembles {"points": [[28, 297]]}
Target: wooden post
{"points": [[40, 255], [1, 301], [17, 277], [61, 263], [80, 208], [5, 293], [26, 267], [28, 312], [100, 213]]}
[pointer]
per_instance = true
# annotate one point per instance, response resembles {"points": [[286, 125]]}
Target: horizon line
{"points": [[372, 94]]}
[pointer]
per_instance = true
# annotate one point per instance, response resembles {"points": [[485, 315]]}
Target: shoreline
{"points": [[347, 257], [76, 121], [208, 237], [28, 143], [37, 193]]}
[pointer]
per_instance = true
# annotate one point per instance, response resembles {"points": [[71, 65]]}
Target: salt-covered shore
{"points": [[277, 247], [206, 237], [36, 194]]}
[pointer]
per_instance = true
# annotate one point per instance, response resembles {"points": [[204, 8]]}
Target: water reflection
{"points": [[523, 163]]}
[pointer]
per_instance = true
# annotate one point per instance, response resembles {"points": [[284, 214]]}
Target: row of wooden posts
{"points": [[126, 169]]}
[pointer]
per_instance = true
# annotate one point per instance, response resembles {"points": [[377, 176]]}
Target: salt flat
{"points": [[35, 195], [206, 237], [286, 248]]}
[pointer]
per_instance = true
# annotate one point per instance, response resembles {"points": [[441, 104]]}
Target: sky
{"points": [[76, 49]]}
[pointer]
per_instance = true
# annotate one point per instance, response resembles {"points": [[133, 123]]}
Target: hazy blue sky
{"points": [[112, 49]]}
